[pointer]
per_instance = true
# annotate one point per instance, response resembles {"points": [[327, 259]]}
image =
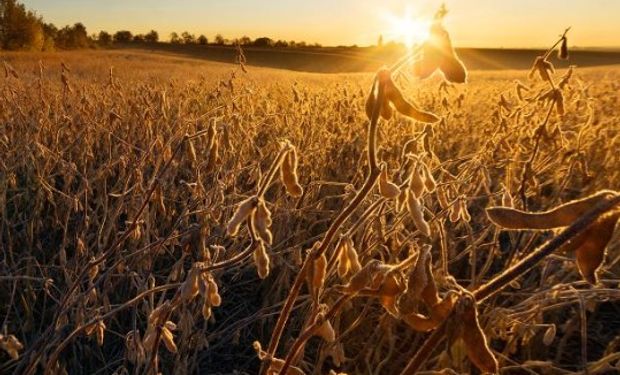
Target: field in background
{"points": [[369, 59], [78, 159]]}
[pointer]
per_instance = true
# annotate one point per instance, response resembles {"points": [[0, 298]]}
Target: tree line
{"points": [[23, 29]]}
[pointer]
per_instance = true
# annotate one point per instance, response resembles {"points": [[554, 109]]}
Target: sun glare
{"points": [[407, 28]]}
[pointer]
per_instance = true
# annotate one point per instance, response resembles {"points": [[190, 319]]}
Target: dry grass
{"points": [[116, 206]]}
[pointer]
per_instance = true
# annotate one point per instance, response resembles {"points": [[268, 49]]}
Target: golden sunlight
{"points": [[407, 28]]}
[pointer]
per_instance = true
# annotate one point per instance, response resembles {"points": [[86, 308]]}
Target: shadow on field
{"points": [[368, 59]]}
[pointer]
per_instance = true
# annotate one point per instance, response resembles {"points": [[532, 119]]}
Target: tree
{"points": [[219, 40], [139, 38], [245, 40], [70, 37], [281, 43], [152, 37], [123, 36], [104, 38], [380, 41], [20, 29], [188, 38], [263, 42], [174, 38], [202, 40]]}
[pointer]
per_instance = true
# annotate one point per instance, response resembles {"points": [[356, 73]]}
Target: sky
{"points": [[471, 23]]}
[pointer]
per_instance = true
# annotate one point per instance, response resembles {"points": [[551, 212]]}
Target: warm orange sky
{"points": [[472, 23]]}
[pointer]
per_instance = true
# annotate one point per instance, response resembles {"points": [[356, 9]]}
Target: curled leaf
{"points": [[561, 216]]}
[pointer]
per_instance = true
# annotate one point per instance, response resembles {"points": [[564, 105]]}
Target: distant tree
{"points": [[104, 39], [301, 44], [263, 42], [188, 38], [219, 40], [281, 43], [174, 38], [72, 37], [202, 40], [139, 38], [292, 43], [245, 40], [123, 36], [380, 41], [50, 33], [152, 36], [19, 28]]}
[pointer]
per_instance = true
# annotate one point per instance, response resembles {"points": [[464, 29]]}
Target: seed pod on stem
{"points": [[261, 221], [563, 51], [288, 174], [261, 260], [387, 189], [416, 181], [417, 214], [244, 210]]}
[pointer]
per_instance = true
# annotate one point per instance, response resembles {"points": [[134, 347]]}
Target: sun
{"points": [[407, 28]]}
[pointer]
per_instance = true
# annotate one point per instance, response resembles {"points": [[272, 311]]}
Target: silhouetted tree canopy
{"points": [[174, 38], [22, 29], [152, 36], [188, 38], [219, 39], [263, 42], [123, 36], [19, 28], [104, 38]]}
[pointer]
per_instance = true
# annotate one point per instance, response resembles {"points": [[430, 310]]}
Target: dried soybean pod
{"points": [[288, 174], [261, 259], [415, 209], [343, 259], [387, 189], [362, 278], [213, 291], [191, 286], [475, 341], [453, 69], [592, 243], [442, 198], [394, 95], [391, 288], [464, 213], [549, 335], [319, 270], [561, 216], [354, 262], [455, 212], [370, 101], [429, 180], [419, 322], [563, 51], [386, 110], [416, 181], [261, 222], [168, 339], [244, 210], [442, 310]]}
